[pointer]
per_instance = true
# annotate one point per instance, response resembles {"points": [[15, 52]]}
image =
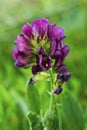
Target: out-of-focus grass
{"points": [[71, 15]]}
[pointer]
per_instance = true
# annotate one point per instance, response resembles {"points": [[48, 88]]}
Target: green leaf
{"points": [[34, 121], [72, 112], [33, 98]]}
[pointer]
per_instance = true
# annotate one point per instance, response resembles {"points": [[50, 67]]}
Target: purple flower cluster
{"points": [[40, 47]]}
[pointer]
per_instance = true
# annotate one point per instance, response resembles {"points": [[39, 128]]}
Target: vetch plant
{"points": [[40, 47]]}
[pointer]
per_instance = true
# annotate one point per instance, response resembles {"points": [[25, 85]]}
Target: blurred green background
{"points": [[69, 14]]}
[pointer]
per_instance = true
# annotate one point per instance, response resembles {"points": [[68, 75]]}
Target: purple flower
{"points": [[36, 69], [55, 33], [21, 59], [44, 60], [64, 77], [27, 30], [61, 68], [60, 55], [23, 45], [23, 52], [58, 90], [40, 28], [40, 46]]}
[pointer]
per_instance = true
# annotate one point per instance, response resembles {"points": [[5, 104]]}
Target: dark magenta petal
{"points": [[27, 30], [45, 62], [36, 69], [59, 45], [41, 50], [64, 77], [57, 53], [61, 68], [58, 90], [40, 27], [65, 50], [58, 58]]}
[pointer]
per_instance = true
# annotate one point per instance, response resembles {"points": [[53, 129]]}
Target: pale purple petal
{"points": [[21, 38], [27, 30]]}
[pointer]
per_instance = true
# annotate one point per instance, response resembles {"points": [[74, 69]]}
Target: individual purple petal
{"points": [[15, 52], [18, 64], [21, 38], [23, 47], [23, 44], [36, 69], [21, 59], [57, 57], [57, 53], [59, 45], [61, 68], [61, 33], [60, 55], [65, 50], [41, 50], [27, 30], [64, 77], [40, 27], [45, 62], [55, 33], [53, 47], [58, 90], [19, 56]]}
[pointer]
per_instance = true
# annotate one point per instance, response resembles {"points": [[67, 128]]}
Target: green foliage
{"points": [[33, 98], [34, 122], [72, 112]]}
